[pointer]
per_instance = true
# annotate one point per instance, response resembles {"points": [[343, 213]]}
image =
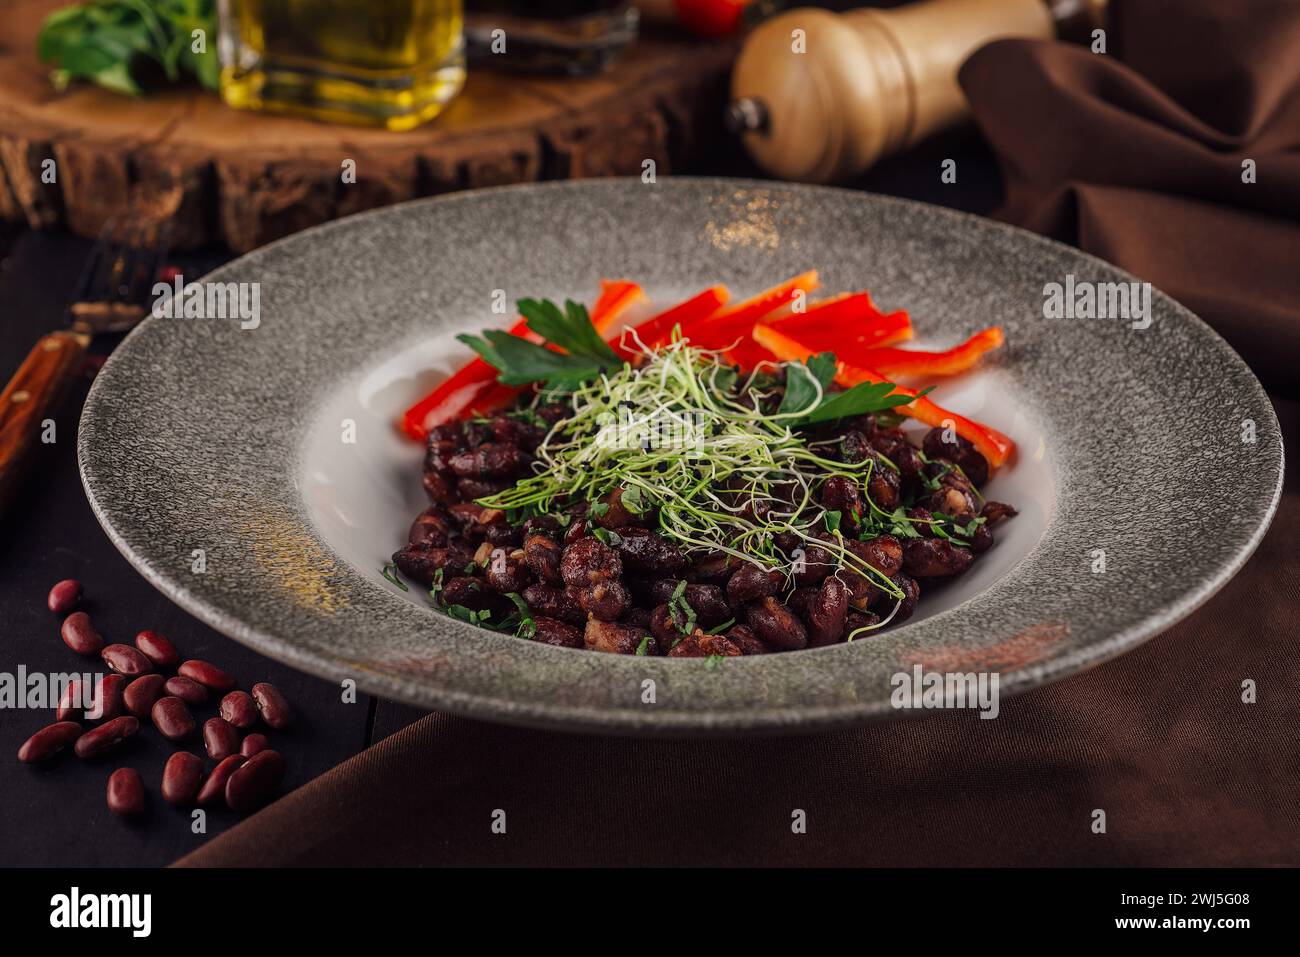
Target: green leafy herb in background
{"points": [[123, 45]]}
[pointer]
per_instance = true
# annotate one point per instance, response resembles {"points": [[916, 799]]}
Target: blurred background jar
{"points": [[571, 37], [390, 63]]}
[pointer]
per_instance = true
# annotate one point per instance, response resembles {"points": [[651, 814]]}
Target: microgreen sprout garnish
{"points": [[688, 441], [719, 629], [390, 572]]}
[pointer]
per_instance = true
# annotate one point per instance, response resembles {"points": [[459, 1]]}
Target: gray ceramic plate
{"points": [[202, 437]]}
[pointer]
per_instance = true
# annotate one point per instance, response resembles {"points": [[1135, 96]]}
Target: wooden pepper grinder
{"points": [[819, 97]]}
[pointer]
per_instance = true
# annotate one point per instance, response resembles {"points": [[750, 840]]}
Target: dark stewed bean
{"points": [[141, 694], [606, 600], [80, 635], [700, 645], [617, 639], [252, 783], [106, 737], [551, 631], [752, 581], [182, 777], [126, 793], [191, 692], [542, 554], [239, 709], [552, 602], [220, 738], [589, 561], [507, 573], [273, 706], [775, 624], [126, 660], [64, 596], [208, 675], [110, 697], [172, 718], [934, 558], [827, 613], [743, 637], [252, 744], [214, 788], [157, 649], [49, 741], [644, 551], [946, 444], [810, 563]]}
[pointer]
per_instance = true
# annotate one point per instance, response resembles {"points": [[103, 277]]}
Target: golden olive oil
{"points": [[393, 63]]}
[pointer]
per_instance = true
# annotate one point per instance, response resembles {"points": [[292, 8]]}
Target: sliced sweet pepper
{"points": [[915, 362], [846, 325], [473, 390], [991, 443], [730, 325], [616, 297], [657, 330], [455, 395]]}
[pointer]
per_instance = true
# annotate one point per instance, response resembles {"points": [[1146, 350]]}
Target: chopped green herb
{"points": [[680, 610], [644, 647], [390, 572]]}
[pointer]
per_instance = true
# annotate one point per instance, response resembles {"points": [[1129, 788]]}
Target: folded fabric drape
{"points": [[1175, 155]]}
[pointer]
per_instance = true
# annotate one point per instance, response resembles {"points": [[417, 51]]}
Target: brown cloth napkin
{"points": [[1159, 739], [1136, 155]]}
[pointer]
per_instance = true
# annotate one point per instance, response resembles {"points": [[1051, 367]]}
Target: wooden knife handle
{"points": [[30, 398]]}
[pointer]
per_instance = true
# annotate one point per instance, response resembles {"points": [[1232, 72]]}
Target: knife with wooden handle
{"points": [[30, 398]]}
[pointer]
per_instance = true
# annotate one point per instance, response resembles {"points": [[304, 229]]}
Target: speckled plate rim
{"points": [[778, 719]]}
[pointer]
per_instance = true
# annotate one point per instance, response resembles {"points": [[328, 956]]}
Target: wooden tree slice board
{"points": [[230, 176]]}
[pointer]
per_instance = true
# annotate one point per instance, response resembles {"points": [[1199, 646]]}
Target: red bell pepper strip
{"points": [[991, 443], [616, 297], [915, 362], [845, 324], [454, 395], [730, 325], [473, 388], [657, 330]]}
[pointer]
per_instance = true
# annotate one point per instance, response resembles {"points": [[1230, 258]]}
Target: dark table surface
{"points": [[56, 815]]}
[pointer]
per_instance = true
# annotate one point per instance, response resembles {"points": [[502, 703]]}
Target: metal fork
{"points": [[111, 295]]}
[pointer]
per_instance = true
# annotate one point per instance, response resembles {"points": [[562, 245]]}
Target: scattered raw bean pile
{"points": [[246, 771]]}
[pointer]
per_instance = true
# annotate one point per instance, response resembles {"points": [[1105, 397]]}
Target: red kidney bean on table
{"points": [[126, 793], [220, 739], [106, 737], [181, 779], [214, 788], [239, 709], [158, 649], [49, 741], [141, 694], [273, 706], [64, 596], [191, 692], [208, 675], [79, 634], [110, 697], [253, 743], [253, 782], [172, 718], [126, 660]]}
